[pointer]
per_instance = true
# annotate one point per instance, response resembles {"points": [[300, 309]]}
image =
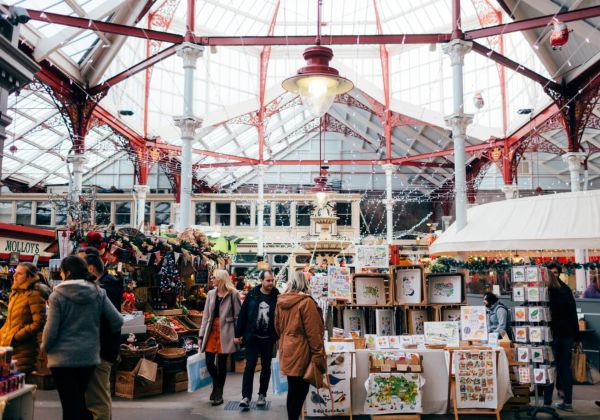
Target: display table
{"points": [[18, 404], [435, 371]]}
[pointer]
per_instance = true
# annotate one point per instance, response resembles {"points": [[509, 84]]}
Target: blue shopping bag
{"points": [[280, 383], [198, 375]]}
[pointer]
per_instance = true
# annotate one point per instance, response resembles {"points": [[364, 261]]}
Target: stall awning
{"points": [[553, 224]]}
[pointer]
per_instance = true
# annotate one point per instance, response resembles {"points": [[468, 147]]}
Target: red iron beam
{"points": [[513, 65], [135, 139], [533, 23], [173, 148], [141, 66]]}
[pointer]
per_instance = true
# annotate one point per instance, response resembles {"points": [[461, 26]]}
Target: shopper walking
{"points": [[565, 332], [498, 315], [217, 330], [97, 396], [299, 325], [25, 318], [255, 329], [71, 338]]}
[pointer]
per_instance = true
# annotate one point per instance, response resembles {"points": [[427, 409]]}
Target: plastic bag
{"points": [[198, 375]]}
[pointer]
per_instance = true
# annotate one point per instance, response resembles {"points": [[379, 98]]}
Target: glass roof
{"points": [[227, 85]]}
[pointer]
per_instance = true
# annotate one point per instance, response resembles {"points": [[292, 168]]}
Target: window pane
{"points": [[5, 211], [203, 214], [103, 212], [223, 214], [24, 212], [162, 212], [43, 213], [266, 215], [303, 215], [282, 214], [61, 213], [147, 210], [344, 214], [123, 213], [242, 215]]}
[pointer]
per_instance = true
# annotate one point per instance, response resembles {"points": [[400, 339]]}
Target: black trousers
{"points": [[263, 347], [216, 364], [297, 391], [71, 384], [562, 347]]}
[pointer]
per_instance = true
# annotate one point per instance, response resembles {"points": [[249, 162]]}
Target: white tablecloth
{"points": [[435, 371]]}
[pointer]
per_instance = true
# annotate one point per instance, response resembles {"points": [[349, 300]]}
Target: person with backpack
{"points": [[498, 315]]}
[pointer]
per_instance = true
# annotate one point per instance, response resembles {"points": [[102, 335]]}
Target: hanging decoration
{"points": [[559, 35], [500, 265]]}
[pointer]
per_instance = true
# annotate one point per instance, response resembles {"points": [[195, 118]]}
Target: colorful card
{"points": [[383, 342], [520, 334], [394, 341], [537, 354], [533, 294], [533, 274], [536, 314], [519, 294], [524, 374], [520, 314], [371, 341], [523, 354], [518, 274], [540, 375], [406, 340], [535, 334]]}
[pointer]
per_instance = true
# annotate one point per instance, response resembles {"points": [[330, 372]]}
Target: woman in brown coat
{"points": [[25, 319], [217, 330], [300, 329]]}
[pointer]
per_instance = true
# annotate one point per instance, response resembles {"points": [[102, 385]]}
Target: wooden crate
{"points": [[384, 287], [397, 417], [435, 278], [128, 385], [175, 382]]}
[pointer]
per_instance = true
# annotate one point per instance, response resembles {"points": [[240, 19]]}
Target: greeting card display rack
{"points": [[532, 335]]}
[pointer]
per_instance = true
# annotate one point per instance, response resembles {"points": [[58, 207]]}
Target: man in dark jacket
{"points": [[255, 329], [97, 396]]}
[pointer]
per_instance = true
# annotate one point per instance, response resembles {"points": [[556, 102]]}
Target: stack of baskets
{"points": [[130, 356]]}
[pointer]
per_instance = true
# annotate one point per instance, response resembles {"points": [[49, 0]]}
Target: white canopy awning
{"points": [[544, 225]]}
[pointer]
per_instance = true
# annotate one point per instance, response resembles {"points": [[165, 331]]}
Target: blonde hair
{"points": [[224, 283], [553, 280], [297, 283]]}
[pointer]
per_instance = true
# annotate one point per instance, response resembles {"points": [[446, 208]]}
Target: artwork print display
{"points": [[374, 256], [476, 379], [339, 286], [442, 333], [337, 403], [318, 286], [445, 289], [451, 314], [416, 321], [384, 322], [389, 393], [473, 323], [370, 290], [354, 320], [408, 286]]}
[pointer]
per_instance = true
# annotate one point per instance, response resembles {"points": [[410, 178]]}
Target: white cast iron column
{"points": [[389, 202], [510, 191], [188, 124], [76, 183], [260, 210], [458, 121], [575, 160], [140, 192]]}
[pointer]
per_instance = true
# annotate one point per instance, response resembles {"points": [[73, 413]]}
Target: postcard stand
{"points": [[452, 385]]}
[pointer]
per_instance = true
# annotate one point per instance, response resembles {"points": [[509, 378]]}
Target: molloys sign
{"points": [[23, 247]]}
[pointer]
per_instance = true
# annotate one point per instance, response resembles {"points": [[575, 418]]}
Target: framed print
{"points": [[408, 285], [416, 321], [450, 314], [339, 286], [442, 333], [384, 322], [372, 256], [354, 320], [445, 288], [370, 290]]}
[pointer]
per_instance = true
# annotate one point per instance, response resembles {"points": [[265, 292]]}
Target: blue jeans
{"points": [[562, 348]]}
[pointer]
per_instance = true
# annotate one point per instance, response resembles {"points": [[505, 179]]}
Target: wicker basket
{"points": [[196, 319], [130, 358], [163, 333], [171, 353]]}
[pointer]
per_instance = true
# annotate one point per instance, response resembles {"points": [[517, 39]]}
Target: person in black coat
{"points": [[565, 333], [97, 396], [255, 329]]}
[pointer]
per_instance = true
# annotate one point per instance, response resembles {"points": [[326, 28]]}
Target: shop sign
{"points": [[8, 245]]}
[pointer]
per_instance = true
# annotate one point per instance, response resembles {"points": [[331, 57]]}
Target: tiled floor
{"points": [[195, 406]]}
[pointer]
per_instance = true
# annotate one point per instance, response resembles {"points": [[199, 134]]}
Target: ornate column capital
{"points": [[510, 191], [141, 190], [574, 160], [458, 123], [456, 50], [190, 53], [78, 160], [188, 126], [389, 168]]}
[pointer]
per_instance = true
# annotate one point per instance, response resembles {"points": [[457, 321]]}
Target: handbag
{"points": [[579, 365], [314, 376]]}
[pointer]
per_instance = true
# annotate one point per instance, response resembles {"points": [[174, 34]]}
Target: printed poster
{"points": [[476, 379], [473, 323], [319, 402], [408, 286], [372, 256], [370, 290], [339, 286], [318, 286], [354, 320], [389, 393], [445, 289], [384, 322], [442, 333]]}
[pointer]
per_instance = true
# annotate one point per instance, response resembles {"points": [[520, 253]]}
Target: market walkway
{"points": [[184, 406]]}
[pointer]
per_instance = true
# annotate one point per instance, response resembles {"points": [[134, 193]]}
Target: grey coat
{"points": [[228, 314], [498, 318], [71, 337]]}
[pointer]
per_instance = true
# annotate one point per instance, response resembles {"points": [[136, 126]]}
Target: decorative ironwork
{"points": [[80, 209]]}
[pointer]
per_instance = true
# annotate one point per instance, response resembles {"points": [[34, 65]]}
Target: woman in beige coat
{"points": [[218, 330]]}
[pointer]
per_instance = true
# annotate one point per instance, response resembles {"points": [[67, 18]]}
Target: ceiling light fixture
{"points": [[317, 83]]}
